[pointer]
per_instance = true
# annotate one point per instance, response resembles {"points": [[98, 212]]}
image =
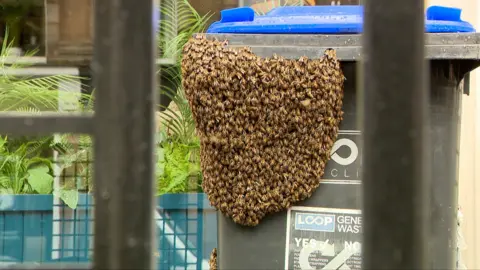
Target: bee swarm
{"points": [[212, 262], [266, 126]]}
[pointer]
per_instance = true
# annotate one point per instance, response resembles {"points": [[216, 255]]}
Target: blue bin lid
{"points": [[324, 20]]}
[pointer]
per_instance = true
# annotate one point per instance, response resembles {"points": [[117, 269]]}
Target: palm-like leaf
{"points": [[179, 20], [178, 23], [32, 92], [177, 119]]}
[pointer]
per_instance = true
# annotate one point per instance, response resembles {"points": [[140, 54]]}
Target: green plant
{"points": [[178, 162], [175, 166], [178, 148], [178, 166], [24, 172], [27, 166], [179, 21], [76, 152], [30, 94], [75, 159]]}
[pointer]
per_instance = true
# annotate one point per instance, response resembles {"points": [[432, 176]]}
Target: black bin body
{"points": [[277, 242]]}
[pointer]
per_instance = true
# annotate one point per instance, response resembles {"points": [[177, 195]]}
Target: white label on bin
{"points": [[323, 238], [345, 164]]}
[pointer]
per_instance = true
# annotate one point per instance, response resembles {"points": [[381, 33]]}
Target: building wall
{"points": [[469, 178], [213, 6]]}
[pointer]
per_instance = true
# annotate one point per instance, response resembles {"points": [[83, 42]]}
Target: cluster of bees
{"points": [[266, 125], [212, 262]]}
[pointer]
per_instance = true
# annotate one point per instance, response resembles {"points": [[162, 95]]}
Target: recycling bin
{"points": [[325, 231]]}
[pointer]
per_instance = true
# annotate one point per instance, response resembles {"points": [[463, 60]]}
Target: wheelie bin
{"points": [[325, 231]]}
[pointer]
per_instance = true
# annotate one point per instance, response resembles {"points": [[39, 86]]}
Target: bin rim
{"points": [[324, 20]]}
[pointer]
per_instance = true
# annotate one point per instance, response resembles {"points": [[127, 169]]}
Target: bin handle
{"points": [[440, 13]]}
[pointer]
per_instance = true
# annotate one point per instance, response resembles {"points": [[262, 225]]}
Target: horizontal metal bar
{"points": [[50, 266], [38, 61], [40, 71], [45, 123], [349, 47], [466, 84], [24, 60]]}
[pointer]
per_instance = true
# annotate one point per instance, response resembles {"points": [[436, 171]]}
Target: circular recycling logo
{"points": [[353, 151]]}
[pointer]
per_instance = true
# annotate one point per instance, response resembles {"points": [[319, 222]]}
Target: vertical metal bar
{"points": [[466, 84], [123, 69], [395, 124], [200, 220]]}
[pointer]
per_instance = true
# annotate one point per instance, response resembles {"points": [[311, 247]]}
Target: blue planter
{"points": [[31, 232], [187, 230], [25, 228]]}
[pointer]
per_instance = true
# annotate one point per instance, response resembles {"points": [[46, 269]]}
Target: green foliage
{"points": [[177, 119], [179, 21], [178, 166], [40, 179], [175, 167], [30, 93], [178, 150], [68, 196], [178, 147], [21, 173], [24, 169]]}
